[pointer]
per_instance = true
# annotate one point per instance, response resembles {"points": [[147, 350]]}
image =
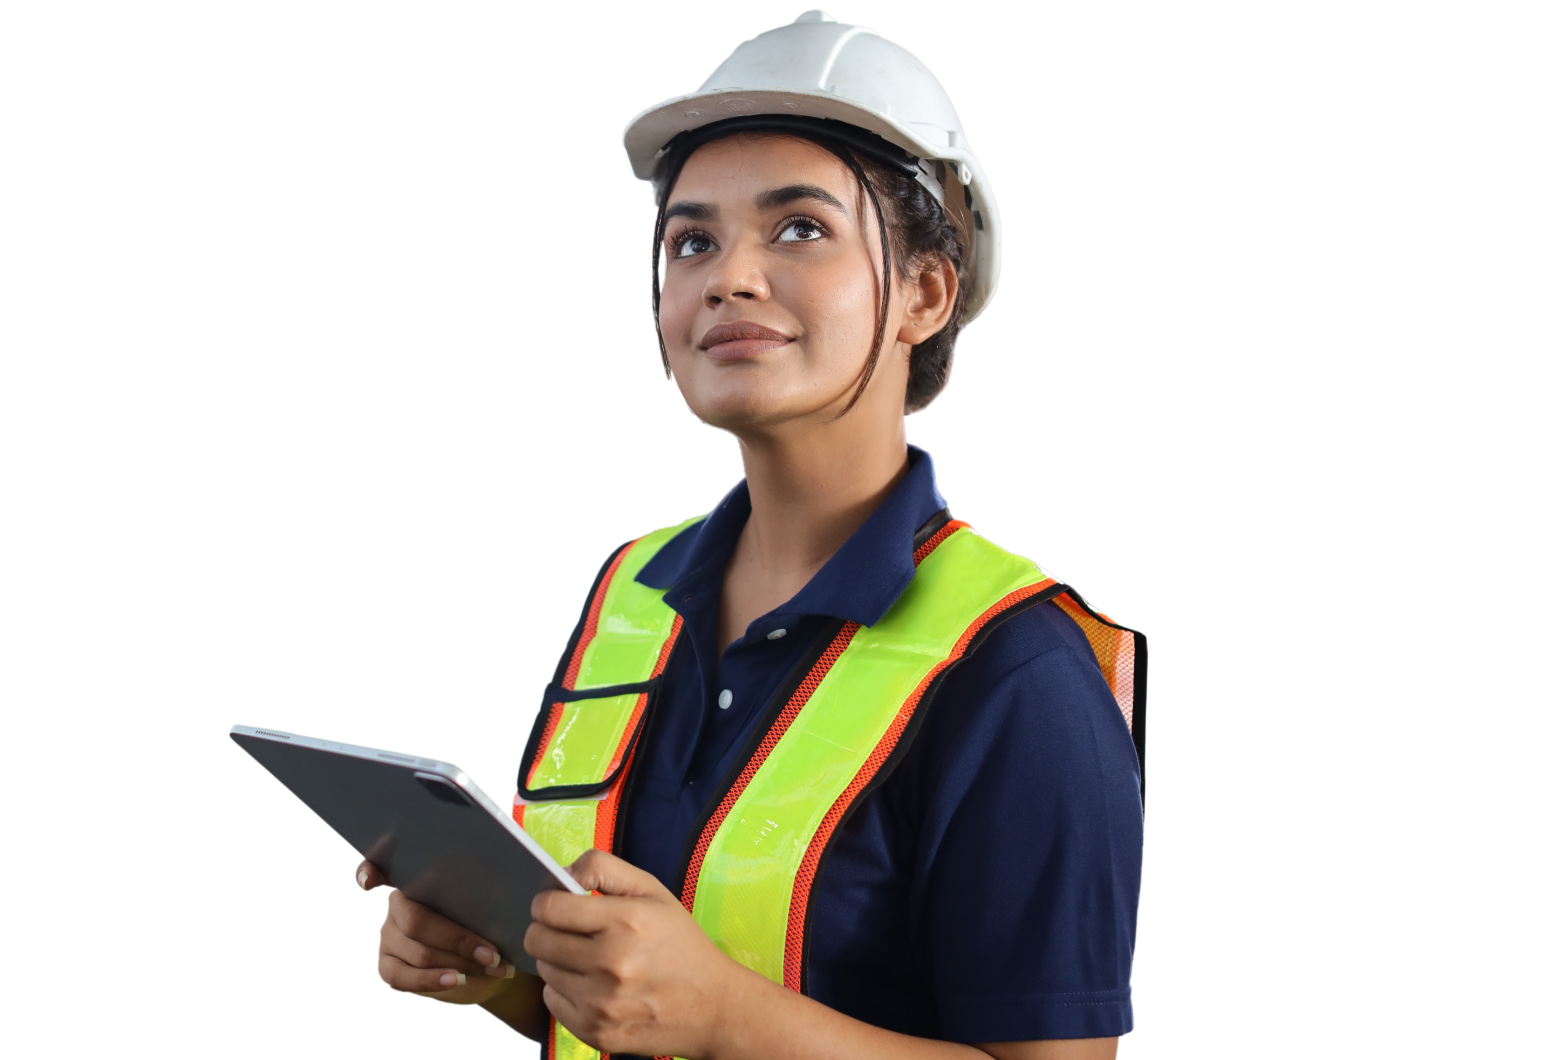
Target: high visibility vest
{"points": [[833, 732]]}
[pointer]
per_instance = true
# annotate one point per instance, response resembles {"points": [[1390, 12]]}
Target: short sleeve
{"points": [[1023, 902]]}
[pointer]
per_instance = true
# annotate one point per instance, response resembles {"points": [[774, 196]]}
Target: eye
{"points": [[801, 231], [692, 244]]}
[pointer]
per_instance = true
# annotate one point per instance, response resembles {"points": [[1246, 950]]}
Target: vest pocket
{"points": [[582, 738]]}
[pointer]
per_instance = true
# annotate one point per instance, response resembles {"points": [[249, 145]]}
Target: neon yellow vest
{"points": [[825, 741]]}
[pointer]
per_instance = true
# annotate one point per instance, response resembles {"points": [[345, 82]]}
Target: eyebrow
{"points": [[697, 210], [768, 200], [796, 193]]}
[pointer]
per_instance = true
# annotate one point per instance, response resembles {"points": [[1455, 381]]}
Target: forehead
{"points": [[741, 166]]}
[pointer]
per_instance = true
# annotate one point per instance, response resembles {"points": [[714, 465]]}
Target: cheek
{"points": [[837, 304], [681, 299], [682, 326]]}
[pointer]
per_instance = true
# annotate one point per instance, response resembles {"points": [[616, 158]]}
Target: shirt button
{"points": [[725, 698], [776, 634]]}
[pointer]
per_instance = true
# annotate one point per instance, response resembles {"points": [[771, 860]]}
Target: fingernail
{"points": [[509, 971], [363, 878], [452, 979], [485, 955]]}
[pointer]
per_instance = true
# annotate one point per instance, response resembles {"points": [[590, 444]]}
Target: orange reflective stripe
{"points": [[1114, 649], [938, 538]]}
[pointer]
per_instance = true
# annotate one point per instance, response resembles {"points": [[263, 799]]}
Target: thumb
{"points": [[369, 876], [596, 870]]}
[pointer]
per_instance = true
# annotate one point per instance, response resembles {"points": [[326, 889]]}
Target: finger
{"points": [[369, 876], [566, 984], [402, 976], [563, 1010], [418, 955], [584, 914], [424, 925], [561, 949], [596, 870]]}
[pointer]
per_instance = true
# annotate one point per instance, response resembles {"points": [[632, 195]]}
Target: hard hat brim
{"points": [[653, 129]]}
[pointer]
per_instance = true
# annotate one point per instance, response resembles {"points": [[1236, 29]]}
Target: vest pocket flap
{"points": [[582, 738], [556, 694]]}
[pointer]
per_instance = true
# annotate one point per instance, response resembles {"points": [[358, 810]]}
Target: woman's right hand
{"points": [[422, 952]]}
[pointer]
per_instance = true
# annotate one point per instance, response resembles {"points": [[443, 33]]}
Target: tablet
{"points": [[431, 831]]}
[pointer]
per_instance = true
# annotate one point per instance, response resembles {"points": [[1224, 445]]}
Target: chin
{"points": [[737, 414], [744, 408]]}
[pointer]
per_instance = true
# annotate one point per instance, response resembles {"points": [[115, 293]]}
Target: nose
{"points": [[736, 276]]}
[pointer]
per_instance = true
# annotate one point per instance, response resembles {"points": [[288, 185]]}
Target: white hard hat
{"points": [[817, 68]]}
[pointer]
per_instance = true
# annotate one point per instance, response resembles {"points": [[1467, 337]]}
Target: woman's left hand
{"points": [[628, 970]]}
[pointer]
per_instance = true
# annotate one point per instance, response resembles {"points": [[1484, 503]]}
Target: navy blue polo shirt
{"points": [[987, 890]]}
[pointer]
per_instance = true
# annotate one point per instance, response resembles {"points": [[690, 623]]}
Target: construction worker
{"points": [[848, 779]]}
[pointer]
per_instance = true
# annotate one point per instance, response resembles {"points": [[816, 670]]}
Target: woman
{"points": [[848, 779]]}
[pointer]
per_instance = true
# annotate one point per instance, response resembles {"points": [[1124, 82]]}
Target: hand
{"points": [[424, 953], [628, 970]]}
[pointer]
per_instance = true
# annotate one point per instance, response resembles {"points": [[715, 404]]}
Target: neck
{"points": [[811, 490]]}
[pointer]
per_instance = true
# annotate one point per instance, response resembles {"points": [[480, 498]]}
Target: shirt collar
{"points": [[859, 583]]}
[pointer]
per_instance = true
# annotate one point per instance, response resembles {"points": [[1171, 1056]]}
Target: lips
{"points": [[740, 338]]}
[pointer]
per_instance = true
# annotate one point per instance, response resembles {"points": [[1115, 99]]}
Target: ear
{"points": [[932, 295]]}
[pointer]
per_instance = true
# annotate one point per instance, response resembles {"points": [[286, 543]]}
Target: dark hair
{"points": [[913, 231]]}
